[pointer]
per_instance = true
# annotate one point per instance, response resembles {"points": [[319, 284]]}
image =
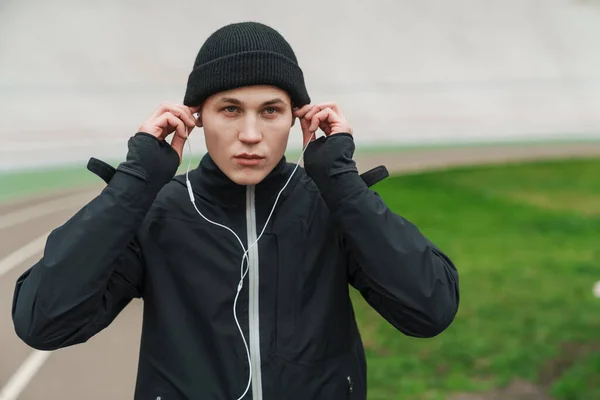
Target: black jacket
{"points": [[142, 238]]}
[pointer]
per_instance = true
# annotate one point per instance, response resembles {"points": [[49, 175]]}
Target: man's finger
{"points": [[301, 112], [185, 114], [179, 111], [178, 143], [157, 112], [169, 122], [311, 113], [326, 114], [306, 133], [321, 106], [334, 106], [179, 126], [162, 123], [163, 108]]}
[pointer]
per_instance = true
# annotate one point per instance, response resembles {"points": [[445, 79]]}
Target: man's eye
{"points": [[271, 110], [230, 109]]}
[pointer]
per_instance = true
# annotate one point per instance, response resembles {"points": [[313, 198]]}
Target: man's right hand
{"points": [[169, 118]]}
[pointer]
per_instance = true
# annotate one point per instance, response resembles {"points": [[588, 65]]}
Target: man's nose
{"points": [[250, 132]]}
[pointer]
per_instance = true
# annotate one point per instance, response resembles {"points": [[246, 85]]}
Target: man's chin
{"points": [[248, 175]]}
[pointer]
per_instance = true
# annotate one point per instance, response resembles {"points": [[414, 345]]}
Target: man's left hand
{"points": [[326, 116]]}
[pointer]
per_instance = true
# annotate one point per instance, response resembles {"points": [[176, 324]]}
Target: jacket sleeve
{"points": [[407, 279], [92, 266]]}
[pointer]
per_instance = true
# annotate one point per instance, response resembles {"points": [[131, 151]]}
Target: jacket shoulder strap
{"points": [[375, 175], [102, 169]]}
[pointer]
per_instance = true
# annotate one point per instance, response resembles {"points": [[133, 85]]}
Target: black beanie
{"points": [[244, 54]]}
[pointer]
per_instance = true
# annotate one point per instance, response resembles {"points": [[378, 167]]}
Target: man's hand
{"points": [[326, 116], [169, 118]]}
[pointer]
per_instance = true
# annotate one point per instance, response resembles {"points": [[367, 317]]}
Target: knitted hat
{"points": [[244, 54]]}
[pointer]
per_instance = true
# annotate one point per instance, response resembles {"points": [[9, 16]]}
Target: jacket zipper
{"points": [[350, 386], [253, 303]]}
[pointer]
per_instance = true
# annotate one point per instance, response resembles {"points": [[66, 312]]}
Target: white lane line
{"points": [[19, 381], [23, 253], [21, 378], [40, 210]]}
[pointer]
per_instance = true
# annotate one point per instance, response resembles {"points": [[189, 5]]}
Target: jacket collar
{"points": [[209, 182]]}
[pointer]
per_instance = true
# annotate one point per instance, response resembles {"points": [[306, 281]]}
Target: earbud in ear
{"points": [[198, 117], [294, 109]]}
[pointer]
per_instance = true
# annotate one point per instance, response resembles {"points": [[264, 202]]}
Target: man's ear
{"points": [[198, 114], [199, 119], [294, 108]]}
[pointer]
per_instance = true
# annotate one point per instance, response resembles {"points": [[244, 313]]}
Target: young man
{"points": [[221, 307]]}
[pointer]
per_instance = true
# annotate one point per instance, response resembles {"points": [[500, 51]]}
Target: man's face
{"points": [[247, 130]]}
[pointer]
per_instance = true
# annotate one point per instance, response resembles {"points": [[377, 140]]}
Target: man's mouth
{"points": [[248, 159], [249, 156]]}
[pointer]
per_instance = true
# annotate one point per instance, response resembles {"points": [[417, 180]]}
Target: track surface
{"points": [[105, 367]]}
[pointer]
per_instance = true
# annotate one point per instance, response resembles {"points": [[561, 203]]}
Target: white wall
{"points": [[77, 78]]}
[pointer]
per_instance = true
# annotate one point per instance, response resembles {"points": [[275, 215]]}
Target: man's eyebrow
{"points": [[274, 101], [231, 100]]}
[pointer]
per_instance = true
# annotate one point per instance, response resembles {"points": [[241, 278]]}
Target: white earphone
{"points": [[245, 255]]}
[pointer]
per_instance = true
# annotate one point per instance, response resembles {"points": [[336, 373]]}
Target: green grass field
{"points": [[525, 240], [17, 185]]}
